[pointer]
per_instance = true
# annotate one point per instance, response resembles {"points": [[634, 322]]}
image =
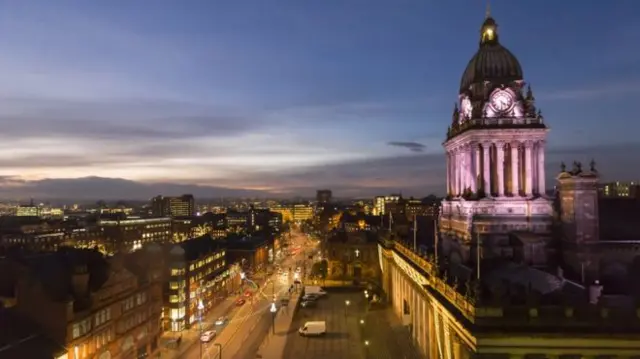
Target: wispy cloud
{"points": [[411, 146], [590, 92]]}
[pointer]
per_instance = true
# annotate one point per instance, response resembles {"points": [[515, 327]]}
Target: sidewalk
{"points": [[388, 338], [191, 336], [273, 345]]}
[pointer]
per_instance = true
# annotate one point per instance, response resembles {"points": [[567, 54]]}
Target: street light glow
{"points": [[242, 275], [347, 302], [200, 305], [273, 307], [366, 342]]}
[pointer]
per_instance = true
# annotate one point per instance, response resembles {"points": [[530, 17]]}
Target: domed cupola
{"points": [[493, 62]]}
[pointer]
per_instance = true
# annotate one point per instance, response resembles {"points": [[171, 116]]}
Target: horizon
{"points": [[225, 100]]}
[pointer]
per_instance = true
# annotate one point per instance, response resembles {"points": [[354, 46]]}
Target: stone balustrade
{"points": [[578, 315]]}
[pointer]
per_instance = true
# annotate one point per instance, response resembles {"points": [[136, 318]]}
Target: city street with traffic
{"points": [[248, 323]]}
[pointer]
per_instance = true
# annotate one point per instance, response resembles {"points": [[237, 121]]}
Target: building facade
{"points": [[94, 307], [495, 158], [197, 278], [131, 233], [482, 292], [181, 206]]}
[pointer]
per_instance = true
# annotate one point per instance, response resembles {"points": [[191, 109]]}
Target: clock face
{"points": [[465, 106], [501, 100]]}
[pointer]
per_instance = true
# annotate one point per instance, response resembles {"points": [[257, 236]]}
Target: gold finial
{"points": [[488, 12]]}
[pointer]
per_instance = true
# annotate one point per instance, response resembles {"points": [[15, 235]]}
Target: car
{"points": [[297, 281], [221, 321], [309, 298], [308, 304], [240, 302], [207, 336]]}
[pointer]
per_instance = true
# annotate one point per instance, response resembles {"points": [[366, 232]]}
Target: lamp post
{"points": [[366, 299], [346, 306], [219, 346], [273, 317], [200, 308]]}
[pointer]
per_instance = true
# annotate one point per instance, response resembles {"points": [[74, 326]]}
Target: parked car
{"points": [[207, 336], [221, 321], [240, 302], [313, 328], [310, 298]]}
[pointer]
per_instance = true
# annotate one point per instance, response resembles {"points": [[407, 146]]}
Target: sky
{"points": [[121, 99]]}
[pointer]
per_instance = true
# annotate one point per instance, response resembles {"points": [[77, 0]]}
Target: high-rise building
{"points": [[620, 190], [323, 196], [381, 202], [181, 206]]}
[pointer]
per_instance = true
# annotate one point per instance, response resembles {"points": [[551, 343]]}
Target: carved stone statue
{"points": [[577, 167], [468, 288], [592, 164], [563, 167]]}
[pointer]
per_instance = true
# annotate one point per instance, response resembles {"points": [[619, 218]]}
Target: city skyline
{"points": [[282, 101]]}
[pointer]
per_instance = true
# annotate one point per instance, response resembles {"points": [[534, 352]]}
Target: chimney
{"points": [[80, 280]]}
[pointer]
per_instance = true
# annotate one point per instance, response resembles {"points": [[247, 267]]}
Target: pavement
{"points": [[274, 344], [387, 337], [343, 338]]}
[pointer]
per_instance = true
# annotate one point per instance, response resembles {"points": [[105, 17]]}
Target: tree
{"points": [[320, 269]]}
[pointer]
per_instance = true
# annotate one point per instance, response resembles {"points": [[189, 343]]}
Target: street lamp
{"points": [[273, 317], [366, 297], [219, 350], [346, 305], [200, 308]]}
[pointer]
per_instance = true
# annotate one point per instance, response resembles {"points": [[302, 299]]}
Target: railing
{"points": [[495, 122], [571, 314]]}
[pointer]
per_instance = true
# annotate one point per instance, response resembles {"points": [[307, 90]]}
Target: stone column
{"points": [[486, 169], [476, 163], [448, 173], [500, 167], [528, 190], [473, 179], [541, 175], [457, 351], [515, 180], [456, 173]]}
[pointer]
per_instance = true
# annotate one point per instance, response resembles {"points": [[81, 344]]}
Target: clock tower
{"points": [[495, 150]]}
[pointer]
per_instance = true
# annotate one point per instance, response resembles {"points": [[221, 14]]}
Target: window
{"points": [[173, 285], [103, 316], [127, 304], [81, 328], [174, 299]]}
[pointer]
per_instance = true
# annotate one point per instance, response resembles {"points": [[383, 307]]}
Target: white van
{"points": [[313, 328], [314, 290]]}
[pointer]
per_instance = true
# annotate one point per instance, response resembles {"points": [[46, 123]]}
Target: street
{"points": [[248, 324]]}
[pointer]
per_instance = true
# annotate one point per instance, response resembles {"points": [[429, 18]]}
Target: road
{"points": [[250, 323]]}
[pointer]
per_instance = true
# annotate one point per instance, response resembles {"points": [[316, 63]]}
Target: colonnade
{"points": [[498, 168]]}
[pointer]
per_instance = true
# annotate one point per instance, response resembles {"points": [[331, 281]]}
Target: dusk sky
{"points": [[288, 96]]}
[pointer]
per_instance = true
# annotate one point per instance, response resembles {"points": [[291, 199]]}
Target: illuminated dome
{"points": [[493, 62]]}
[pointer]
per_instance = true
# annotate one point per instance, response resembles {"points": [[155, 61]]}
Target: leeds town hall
{"points": [[513, 271]]}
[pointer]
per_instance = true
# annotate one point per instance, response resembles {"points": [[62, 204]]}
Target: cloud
{"points": [[412, 146], [590, 92], [94, 188]]}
